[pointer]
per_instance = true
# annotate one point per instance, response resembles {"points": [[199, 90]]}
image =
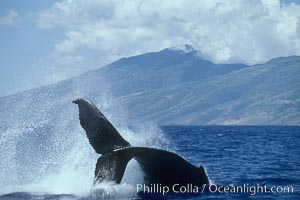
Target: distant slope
{"points": [[265, 94], [173, 86]]}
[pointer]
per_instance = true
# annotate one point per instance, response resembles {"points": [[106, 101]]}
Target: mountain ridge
{"points": [[174, 87], [130, 57]]}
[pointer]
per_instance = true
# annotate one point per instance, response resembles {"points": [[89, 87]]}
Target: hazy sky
{"points": [[46, 41]]}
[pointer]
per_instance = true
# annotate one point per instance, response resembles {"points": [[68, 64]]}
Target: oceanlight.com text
{"points": [[249, 189]]}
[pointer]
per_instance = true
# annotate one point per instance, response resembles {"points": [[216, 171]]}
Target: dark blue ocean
{"points": [[232, 156], [238, 155]]}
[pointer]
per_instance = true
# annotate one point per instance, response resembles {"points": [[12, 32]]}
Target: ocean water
{"points": [[233, 156], [238, 155]]}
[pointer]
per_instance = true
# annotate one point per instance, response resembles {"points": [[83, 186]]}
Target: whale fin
{"points": [[102, 135], [111, 166]]}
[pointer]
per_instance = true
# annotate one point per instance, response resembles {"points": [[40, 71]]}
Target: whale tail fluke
{"points": [[102, 135], [111, 167], [159, 166]]}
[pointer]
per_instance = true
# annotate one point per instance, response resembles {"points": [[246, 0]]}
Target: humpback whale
{"points": [[159, 166]]}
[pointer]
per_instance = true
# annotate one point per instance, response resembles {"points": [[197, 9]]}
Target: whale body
{"points": [[159, 166]]}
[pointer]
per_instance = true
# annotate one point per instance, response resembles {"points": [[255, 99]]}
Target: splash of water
{"points": [[49, 153]]}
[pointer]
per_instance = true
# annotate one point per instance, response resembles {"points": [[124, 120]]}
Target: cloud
{"points": [[224, 31], [11, 19]]}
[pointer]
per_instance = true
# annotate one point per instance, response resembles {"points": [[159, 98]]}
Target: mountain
{"points": [[174, 86]]}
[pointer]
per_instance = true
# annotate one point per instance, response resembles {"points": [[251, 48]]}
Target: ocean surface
{"points": [[245, 156]]}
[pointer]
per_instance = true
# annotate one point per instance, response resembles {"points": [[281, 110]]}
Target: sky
{"points": [[42, 42]]}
